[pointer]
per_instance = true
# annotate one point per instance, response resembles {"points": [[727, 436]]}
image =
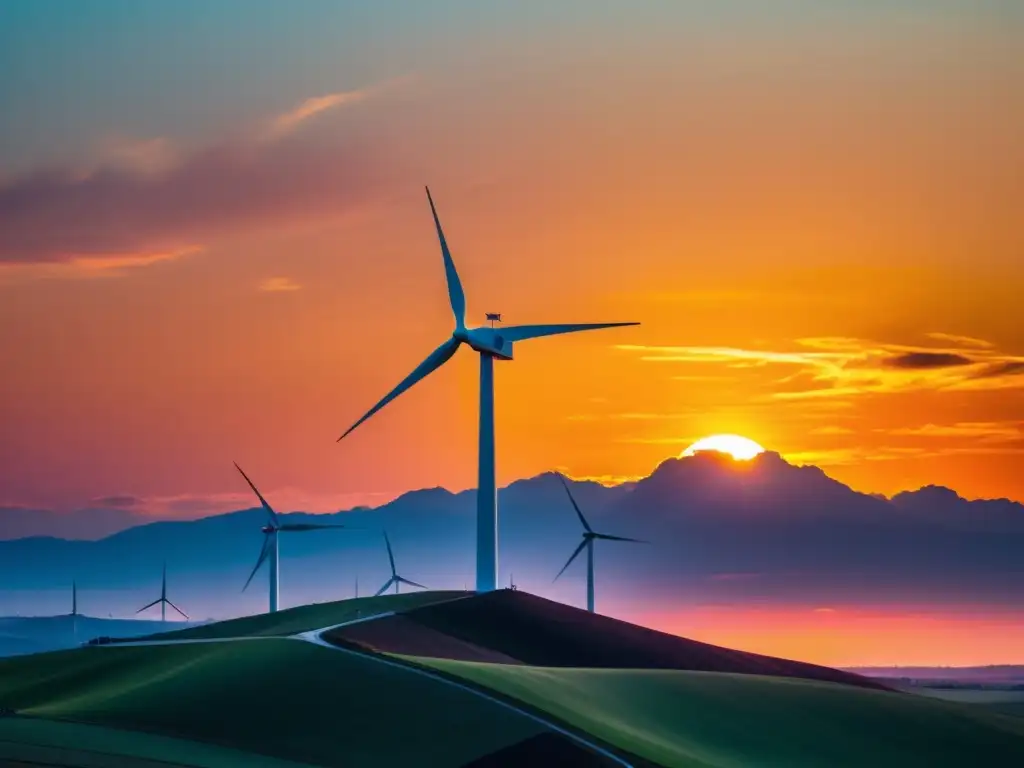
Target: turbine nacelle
{"points": [[488, 341]]}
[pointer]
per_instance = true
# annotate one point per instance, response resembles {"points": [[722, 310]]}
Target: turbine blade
{"points": [[456, 296], [385, 588], [411, 583], [306, 527], [569, 561], [184, 615], [270, 511], [608, 537], [259, 561], [155, 602], [575, 506], [434, 360], [524, 332], [391, 555]]}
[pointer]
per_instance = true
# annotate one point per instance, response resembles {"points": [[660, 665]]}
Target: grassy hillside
{"points": [[27, 741], [277, 697], [678, 718], [520, 627], [305, 617]]}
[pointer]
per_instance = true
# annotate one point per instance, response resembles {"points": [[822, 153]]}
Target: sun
{"points": [[740, 448]]}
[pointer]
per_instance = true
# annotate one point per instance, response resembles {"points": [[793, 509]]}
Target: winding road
{"points": [[315, 636]]}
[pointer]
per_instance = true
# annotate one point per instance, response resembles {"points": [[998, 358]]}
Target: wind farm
{"points": [[770, 515]]}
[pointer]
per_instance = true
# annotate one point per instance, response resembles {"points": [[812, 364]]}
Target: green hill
{"points": [[281, 698], [678, 718], [304, 618]]}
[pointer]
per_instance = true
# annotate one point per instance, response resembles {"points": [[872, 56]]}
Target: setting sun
{"points": [[740, 448]]}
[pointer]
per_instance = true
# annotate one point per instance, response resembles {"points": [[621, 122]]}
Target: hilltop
{"points": [[562, 687]]}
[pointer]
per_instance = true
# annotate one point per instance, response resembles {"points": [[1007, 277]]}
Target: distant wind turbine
{"points": [[491, 343], [162, 601], [269, 549], [589, 537], [395, 578], [357, 586], [74, 610]]}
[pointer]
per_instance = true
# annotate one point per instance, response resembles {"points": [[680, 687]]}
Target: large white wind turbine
{"points": [[395, 578], [491, 343], [269, 548], [589, 537], [162, 601]]}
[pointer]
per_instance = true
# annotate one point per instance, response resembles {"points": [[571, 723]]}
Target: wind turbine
{"points": [[269, 549], [491, 343], [395, 578], [163, 602], [589, 537], [74, 610]]}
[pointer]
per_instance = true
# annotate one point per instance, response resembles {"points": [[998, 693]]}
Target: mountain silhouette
{"points": [[721, 531]]}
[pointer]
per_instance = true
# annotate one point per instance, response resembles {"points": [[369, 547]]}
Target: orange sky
{"points": [[785, 213]]}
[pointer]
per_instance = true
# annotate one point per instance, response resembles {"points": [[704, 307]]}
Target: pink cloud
{"points": [[148, 201]]}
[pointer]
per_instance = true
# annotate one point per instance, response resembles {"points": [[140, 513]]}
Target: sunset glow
{"points": [[740, 448], [211, 254]]}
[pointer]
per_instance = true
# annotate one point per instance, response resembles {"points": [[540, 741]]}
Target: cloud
{"points": [[989, 430], [144, 202], [831, 430], [118, 502], [94, 266], [844, 367], [963, 341], [924, 360], [190, 506], [279, 284], [288, 122]]}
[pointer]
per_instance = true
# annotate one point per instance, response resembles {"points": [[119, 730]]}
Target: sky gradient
{"points": [[214, 243], [215, 247]]}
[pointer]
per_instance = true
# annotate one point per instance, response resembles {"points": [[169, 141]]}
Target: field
{"points": [[676, 718], [281, 698], [456, 680]]}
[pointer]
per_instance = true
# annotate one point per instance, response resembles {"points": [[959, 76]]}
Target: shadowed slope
{"points": [[544, 633], [283, 698], [675, 718]]}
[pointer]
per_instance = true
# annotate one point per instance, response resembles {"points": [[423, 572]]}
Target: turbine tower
{"points": [[163, 602], [492, 344], [74, 611], [269, 549], [395, 578], [589, 537]]}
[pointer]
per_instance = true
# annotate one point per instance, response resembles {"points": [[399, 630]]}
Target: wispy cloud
{"points": [[831, 430], [288, 122], [188, 506], [279, 285], [90, 266], [962, 341], [993, 431], [147, 201], [844, 367]]}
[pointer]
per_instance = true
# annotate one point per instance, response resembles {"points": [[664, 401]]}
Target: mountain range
{"points": [[721, 532]]}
